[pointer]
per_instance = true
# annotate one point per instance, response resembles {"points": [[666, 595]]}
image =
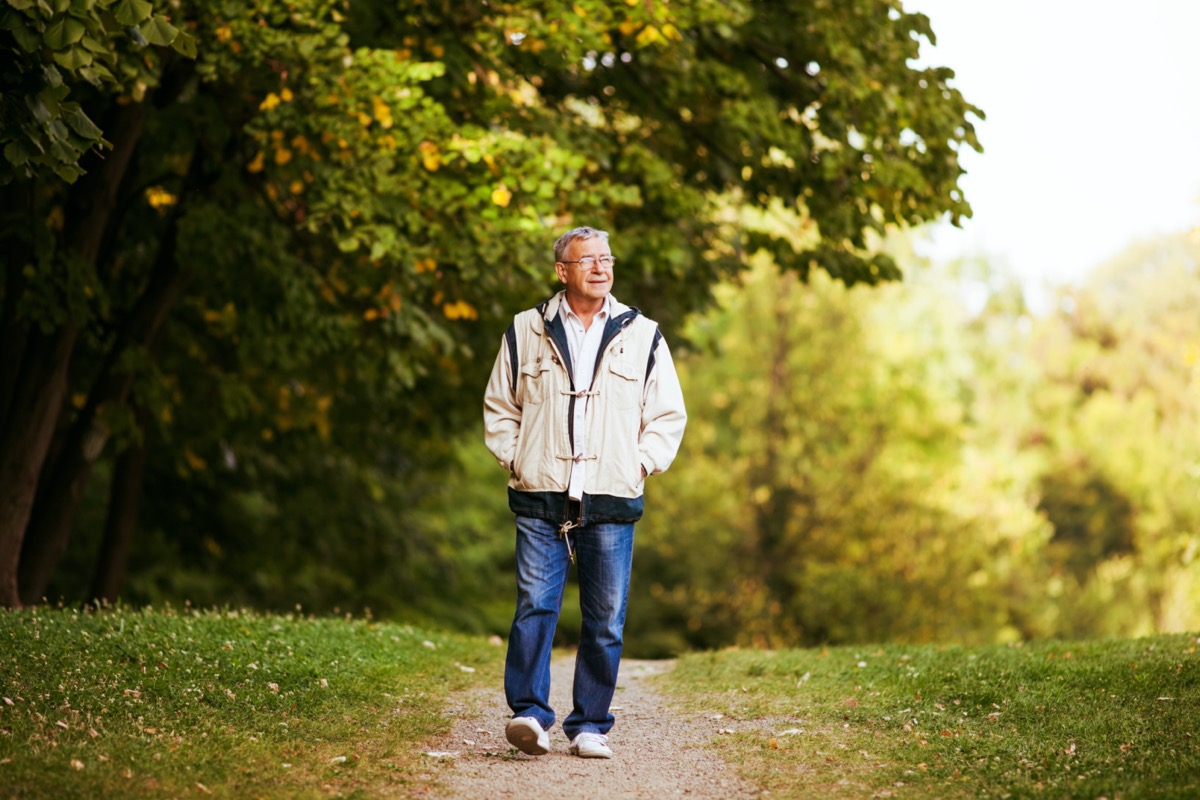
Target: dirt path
{"points": [[657, 753]]}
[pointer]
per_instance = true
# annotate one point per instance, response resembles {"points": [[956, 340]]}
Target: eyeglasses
{"points": [[587, 262]]}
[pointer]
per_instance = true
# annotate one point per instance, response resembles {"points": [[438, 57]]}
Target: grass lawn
{"points": [[223, 703], [1101, 719]]}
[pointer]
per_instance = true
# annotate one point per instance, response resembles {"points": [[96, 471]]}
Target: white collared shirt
{"points": [[585, 345]]}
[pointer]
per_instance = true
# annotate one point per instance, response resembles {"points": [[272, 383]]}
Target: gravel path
{"points": [[657, 753]]}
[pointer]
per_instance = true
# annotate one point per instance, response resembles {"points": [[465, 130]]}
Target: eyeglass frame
{"points": [[589, 260]]}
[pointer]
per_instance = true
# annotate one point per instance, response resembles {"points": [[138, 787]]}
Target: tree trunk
{"points": [[125, 497], [64, 480], [41, 380], [25, 437], [13, 331]]}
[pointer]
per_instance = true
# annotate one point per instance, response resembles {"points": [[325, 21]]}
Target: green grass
{"points": [[223, 703], [1105, 719]]}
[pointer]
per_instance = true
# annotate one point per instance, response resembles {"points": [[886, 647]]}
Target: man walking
{"points": [[582, 405]]}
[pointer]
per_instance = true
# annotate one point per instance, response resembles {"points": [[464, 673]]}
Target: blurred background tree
{"points": [[259, 259]]}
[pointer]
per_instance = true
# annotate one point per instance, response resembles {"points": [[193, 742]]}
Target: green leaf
{"points": [[21, 5], [158, 31], [82, 6], [132, 12], [17, 152], [80, 122], [64, 33], [51, 75], [185, 44], [60, 6], [38, 108], [28, 39], [74, 58], [93, 46], [95, 74], [68, 172]]}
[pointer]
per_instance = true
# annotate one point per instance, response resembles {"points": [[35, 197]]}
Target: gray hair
{"points": [[576, 234]]}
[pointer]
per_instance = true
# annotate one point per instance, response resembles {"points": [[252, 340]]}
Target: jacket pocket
{"points": [[624, 385], [535, 382]]}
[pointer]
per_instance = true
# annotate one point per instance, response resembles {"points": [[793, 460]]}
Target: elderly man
{"points": [[582, 405]]}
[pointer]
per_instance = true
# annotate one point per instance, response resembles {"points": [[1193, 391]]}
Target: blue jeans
{"points": [[604, 556]]}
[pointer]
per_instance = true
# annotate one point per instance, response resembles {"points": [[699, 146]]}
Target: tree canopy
{"points": [[248, 242]]}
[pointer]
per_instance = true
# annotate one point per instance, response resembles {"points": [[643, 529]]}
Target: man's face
{"points": [[586, 282]]}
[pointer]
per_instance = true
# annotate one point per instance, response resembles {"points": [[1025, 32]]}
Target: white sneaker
{"points": [[591, 745], [527, 735]]}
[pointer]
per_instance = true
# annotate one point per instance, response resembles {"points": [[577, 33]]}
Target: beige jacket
{"points": [[635, 418]]}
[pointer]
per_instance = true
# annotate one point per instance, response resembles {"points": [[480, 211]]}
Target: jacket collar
{"points": [[550, 307]]}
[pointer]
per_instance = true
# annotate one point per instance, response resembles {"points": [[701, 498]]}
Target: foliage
{"points": [[1117, 428], [312, 230], [53, 50], [179, 702], [832, 487], [1064, 719]]}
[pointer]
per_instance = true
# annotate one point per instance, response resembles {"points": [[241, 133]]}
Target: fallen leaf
{"points": [[76, 763], [63, 725], [337, 760], [465, 668], [441, 754], [850, 702], [202, 787], [1070, 750], [8, 702], [774, 743]]}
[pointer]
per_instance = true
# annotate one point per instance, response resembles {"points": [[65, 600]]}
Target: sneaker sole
{"points": [[592, 755], [526, 741]]}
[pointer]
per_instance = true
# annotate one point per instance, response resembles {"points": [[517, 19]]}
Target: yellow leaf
{"points": [[501, 196], [671, 32], [370, 314], [194, 461], [283, 156], [269, 102], [364, 119], [159, 197], [431, 157], [460, 309], [224, 33], [628, 26], [286, 95], [649, 35], [425, 265], [257, 164], [296, 187]]}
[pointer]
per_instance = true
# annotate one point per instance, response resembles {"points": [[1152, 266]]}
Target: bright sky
{"points": [[1092, 137]]}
